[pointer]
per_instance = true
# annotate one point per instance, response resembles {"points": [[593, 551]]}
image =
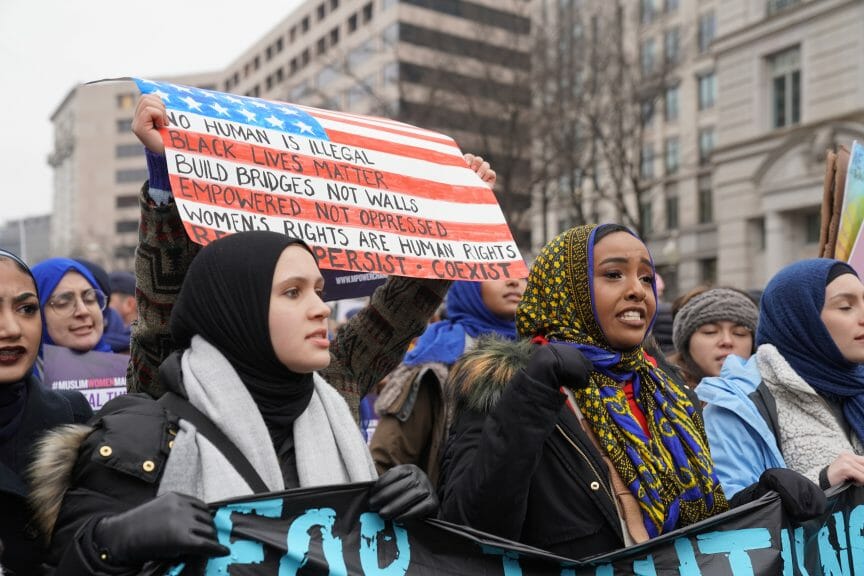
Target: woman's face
{"points": [[502, 297], [843, 316], [623, 289], [711, 343], [20, 322], [73, 314], [298, 316]]}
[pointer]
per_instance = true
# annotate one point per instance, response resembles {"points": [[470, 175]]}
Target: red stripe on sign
{"points": [[355, 122], [293, 162], [368, 261], [405, 150], [298, 207]]}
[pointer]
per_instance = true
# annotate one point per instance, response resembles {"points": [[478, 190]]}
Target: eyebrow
{"points": [[22, 297], [622, 260], [313, 280], [847, 295]]}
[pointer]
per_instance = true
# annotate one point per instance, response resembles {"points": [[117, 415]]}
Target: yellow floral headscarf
{"points": [[670, 471]]}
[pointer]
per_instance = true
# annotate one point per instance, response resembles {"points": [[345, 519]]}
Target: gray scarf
{"points": [[328, 446]]}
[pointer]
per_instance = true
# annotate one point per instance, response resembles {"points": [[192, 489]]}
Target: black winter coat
{"points": [[44, 409], [525, 470]]}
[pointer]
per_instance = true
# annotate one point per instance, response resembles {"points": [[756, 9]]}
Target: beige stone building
{"points": [[733, 152], [456, 66], [99, 167]]}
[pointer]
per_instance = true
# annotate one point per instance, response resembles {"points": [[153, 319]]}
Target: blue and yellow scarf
{"points": [[670, 473]]}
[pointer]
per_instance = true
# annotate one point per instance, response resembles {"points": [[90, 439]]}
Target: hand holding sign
{"points": [[369, 194], [150, 118]]}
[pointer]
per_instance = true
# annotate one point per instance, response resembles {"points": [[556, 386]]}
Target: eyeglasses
{"points": [[64, 304]]}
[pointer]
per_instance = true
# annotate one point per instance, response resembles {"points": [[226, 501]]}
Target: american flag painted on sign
{"points": [[369, 194]]}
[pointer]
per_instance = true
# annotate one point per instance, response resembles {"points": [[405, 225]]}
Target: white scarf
{"points": [[328, 445]]}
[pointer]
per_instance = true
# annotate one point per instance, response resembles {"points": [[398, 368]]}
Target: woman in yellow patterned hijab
{"points": [[593, 287]]}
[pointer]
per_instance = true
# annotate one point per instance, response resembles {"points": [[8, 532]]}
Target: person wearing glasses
{"points": [[72, 303]]}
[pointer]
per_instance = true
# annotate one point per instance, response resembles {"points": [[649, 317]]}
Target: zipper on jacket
{"points": [[590, 464]]}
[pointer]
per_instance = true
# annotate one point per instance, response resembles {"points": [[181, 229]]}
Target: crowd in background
{"points": [[489, 400]]}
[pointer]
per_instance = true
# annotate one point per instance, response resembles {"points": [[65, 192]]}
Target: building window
{"points": [[672, 212], [646, 217], [705, 200], [256, 63], [133, 175], [292, 34], [647, 56], [671, 5], [124, 226], [304, 57], [304, 25], [775, 6], [321, 45], [785, 69], [334, 36], [125, 101], [124, 251], [280, 75], [672, 155], [646, 167], [367, 13], [708, 270], [812, 225], [707, 31], [124, 126], [334, 4], [390, 35], [293, 66], [647, 112], [321, 11], [672, 45], [706, 145], [391, 74], [707, 91], [128, 150], [646, 11], [128, 201], [352, 23], [670, 110], [279, 44], [268, 54]]}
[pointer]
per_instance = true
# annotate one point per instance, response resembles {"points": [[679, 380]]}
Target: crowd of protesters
{"points": [[522, 392]]}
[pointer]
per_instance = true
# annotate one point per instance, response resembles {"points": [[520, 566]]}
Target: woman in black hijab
{"points": [[252, 342], [27, 410]]}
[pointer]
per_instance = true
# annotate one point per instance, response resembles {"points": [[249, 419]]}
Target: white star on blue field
{"points": [[241, 109]]}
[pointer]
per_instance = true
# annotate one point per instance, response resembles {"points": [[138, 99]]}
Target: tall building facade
{"points": [[731, 149], [460, 67], [99, 167]]}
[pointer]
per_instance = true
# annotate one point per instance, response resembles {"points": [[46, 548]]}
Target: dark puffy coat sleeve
{"points": [[490, 461], [118, 467]]}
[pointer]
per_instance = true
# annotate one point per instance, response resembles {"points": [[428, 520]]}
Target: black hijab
{"points": [[225, 299], [13, 395]]}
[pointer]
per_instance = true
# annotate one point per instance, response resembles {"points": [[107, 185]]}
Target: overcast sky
{"points": [[48, 46]]}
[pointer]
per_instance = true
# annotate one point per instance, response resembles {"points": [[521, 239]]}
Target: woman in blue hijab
{"points": [[72, 303], [412, 405], [808, 364]]}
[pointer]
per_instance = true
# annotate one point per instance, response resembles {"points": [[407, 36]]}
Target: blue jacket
{"points": [[742, 443]]}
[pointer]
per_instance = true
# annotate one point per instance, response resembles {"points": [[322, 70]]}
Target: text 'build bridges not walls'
{"points": [[368, 194]]}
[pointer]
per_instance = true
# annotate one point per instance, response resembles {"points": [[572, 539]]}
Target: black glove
{"points": [[402, 493], [169, 527], [801, 498], [559, 365]]}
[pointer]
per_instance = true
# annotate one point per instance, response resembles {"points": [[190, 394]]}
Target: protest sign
{"points": [[99, 376], [329, 530], [852, 212], [369, 195]]}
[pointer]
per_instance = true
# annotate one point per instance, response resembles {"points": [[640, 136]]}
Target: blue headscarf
{"points": [[790, 319], [466, 314], [48, 275]]}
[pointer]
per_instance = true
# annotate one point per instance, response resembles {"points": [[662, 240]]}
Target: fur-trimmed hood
{"points": [[51, 471], [481, 375]]}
